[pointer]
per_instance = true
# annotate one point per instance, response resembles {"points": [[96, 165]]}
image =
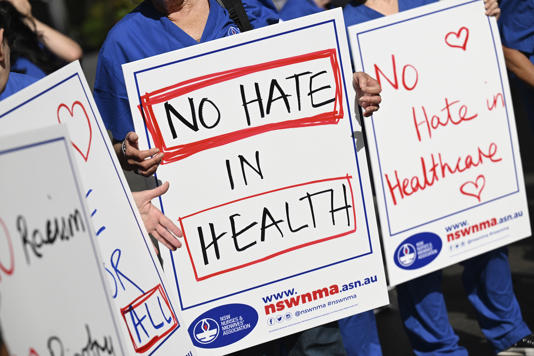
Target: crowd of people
{"points": [[30, 50]]}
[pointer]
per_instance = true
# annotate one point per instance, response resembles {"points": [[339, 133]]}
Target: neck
{"points": [[189, 15], [385, 7], [167, 7], [4, 76]]}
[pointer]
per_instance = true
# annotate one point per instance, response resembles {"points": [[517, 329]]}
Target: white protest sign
{"points": [[135, 278], [271, 194], [443, 145], [53, 293]]}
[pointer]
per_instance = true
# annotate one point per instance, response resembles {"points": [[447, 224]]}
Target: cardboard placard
{"points": [[443, 146], [53, 290], [267, 183], [135, 277]]}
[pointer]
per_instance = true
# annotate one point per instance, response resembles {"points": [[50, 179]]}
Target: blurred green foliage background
{"points": [[90, 20]]}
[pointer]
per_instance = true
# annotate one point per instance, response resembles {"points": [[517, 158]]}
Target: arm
{"points": [[367, 93], [56, 42], [157, 224], [519, 64]]}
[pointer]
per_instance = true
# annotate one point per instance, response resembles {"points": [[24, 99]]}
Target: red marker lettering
{"points": [[436, 121], [438, 169], [4, 234], [395, 82], [493, 105]]}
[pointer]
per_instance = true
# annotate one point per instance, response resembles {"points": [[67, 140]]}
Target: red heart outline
{"points": [[458, 35], [71, 113], [476, 185], [8, 271]]}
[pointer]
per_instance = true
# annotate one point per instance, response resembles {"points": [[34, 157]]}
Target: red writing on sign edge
{"points": [[179, 152], [8, 271], [268, 257], [140, 300]]}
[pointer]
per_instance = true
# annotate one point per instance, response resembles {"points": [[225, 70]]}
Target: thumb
{"points": [[158, 191], [132, 138]]}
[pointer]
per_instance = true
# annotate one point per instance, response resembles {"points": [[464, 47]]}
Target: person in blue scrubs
{"points": [[159, 26], [10, 82], [359, 335], [298, 8], [516, 26], [487, 278], [155, 27]]}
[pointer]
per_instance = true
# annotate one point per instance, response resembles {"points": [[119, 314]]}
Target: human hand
{"points": [[144, 162], [492, 8], [157, 224], [322, 3], [367, 92], [22, 6]]}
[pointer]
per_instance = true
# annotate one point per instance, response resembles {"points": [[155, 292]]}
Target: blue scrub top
{"points": [[297, 8], [516, 25], [16, 82], [355, 14], [24, 65], [145, 32]]}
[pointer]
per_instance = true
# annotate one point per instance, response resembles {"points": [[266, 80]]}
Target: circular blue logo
{"points": [[232, 30], [418, 250], [206, 330], [406, 255]]}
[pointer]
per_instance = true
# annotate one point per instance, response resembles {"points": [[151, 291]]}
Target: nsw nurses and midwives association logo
{"points": [[406, 255], [232, 30], [206, 330]]}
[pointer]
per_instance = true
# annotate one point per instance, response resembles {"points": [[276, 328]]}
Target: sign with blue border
{"points": [[267, 183], [48, 245], [131, 267], [443, 146]]}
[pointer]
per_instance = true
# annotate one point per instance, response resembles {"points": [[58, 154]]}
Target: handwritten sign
{"points": [[444, 144], [132, 270], [266, 183], [52, 285]]}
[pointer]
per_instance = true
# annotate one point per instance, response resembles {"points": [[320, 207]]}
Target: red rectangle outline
{"points": [[140, 300], [180, 220], [179, 152]]}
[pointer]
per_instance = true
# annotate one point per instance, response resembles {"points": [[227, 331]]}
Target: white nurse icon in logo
{"points": [[406, 255], [206, 330]]}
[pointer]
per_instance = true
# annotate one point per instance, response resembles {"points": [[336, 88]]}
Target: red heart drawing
{"points": [[474, 189], [84, 153], [6, 270], [458, 39]]}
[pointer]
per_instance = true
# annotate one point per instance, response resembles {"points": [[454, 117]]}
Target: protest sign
{"points": [[443, 146], [50, 266], [136, 281], [273, 197]]}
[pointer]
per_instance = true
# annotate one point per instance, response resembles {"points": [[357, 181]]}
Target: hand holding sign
{"points": [[492, 8], [367, 92], [144, 162], [157, 224]]}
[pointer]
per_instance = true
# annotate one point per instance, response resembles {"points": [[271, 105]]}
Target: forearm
{"points": [[519, 64], [60, 45]]}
